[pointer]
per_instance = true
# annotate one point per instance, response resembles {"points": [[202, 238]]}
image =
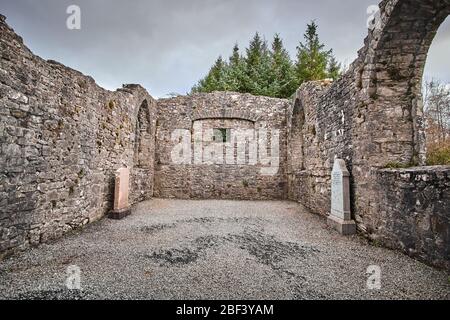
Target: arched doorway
{"points": [[391, 79], [296, 137], [142, 144], [143, 157]]}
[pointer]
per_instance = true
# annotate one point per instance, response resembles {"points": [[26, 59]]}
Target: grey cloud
{"points": [[168, 45]]}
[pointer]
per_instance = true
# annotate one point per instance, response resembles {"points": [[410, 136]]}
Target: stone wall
{"points": [[414, 212], [220, 179], [61, 139], [319, 130], [372, 118]]}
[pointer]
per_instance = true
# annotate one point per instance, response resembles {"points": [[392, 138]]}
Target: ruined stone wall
{"points": [[414, 212], [219, 180], [62, 138], [372, 118], [319, 130]]}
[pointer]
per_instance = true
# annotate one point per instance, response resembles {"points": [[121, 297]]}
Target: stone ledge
{"points": [[416, 169]]}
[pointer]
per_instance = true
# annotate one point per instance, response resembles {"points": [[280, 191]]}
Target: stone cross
{"points": [[340, 217], [121, 192]]}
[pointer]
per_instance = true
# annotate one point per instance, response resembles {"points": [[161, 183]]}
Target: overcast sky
{"points": [[168, 45]]}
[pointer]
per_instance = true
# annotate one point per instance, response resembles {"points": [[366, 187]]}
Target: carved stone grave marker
{"points": [[121, 191], [340, 217]]}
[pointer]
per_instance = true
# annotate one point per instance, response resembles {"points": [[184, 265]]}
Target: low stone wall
{"points": [[213, 180], [414, 212], [62, 138]]}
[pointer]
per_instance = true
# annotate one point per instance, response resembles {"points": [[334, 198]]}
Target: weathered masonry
{"points": [[372, 118], [62, 138], [221, 178]]}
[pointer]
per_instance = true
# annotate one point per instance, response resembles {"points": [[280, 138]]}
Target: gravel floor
{"points": [[175, 249]]}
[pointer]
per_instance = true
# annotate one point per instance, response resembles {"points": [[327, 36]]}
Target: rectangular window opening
{"points": [[222, 135]]}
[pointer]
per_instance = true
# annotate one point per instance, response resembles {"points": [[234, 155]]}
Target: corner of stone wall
{"points": [[413, 207], [62, 138]]}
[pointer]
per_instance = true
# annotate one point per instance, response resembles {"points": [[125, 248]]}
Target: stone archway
{"points": [[296, 138], [143, 155], [391, 76], [142, 143], [372, 118], [390, 204]]}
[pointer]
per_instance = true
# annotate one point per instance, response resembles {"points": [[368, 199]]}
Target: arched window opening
{"points": [[142, 148], [297, 137]]}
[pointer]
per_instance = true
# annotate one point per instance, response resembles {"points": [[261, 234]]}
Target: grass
{"points": [[397, 165], [438, 156]]}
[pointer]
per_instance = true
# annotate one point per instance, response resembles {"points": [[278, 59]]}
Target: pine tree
{"points": [[236, 71], [215, 80], [334, 68], [257, 67], [270, 71], [255, 51], [283, 84], [312, 58], [236, 56]]}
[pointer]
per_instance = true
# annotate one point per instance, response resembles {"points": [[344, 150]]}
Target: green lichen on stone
{"points": [[82, 83], [398, 165], [111, 104], [81, 173]]}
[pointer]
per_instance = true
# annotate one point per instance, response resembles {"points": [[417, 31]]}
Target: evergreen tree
{"points": [[255, 52], [283, 84], [236, 71], [215, 80], [312, 58], [257, 67], [334, 68], [270, 71], [235, 57]]}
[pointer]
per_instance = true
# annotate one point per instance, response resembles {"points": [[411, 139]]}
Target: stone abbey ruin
{"points": [[62, 138]]}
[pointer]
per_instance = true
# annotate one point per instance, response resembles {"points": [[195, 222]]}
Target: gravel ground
{"points": [[175, 249]]}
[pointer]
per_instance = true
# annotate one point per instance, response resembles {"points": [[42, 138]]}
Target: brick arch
{"points": [[390, 76]]}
